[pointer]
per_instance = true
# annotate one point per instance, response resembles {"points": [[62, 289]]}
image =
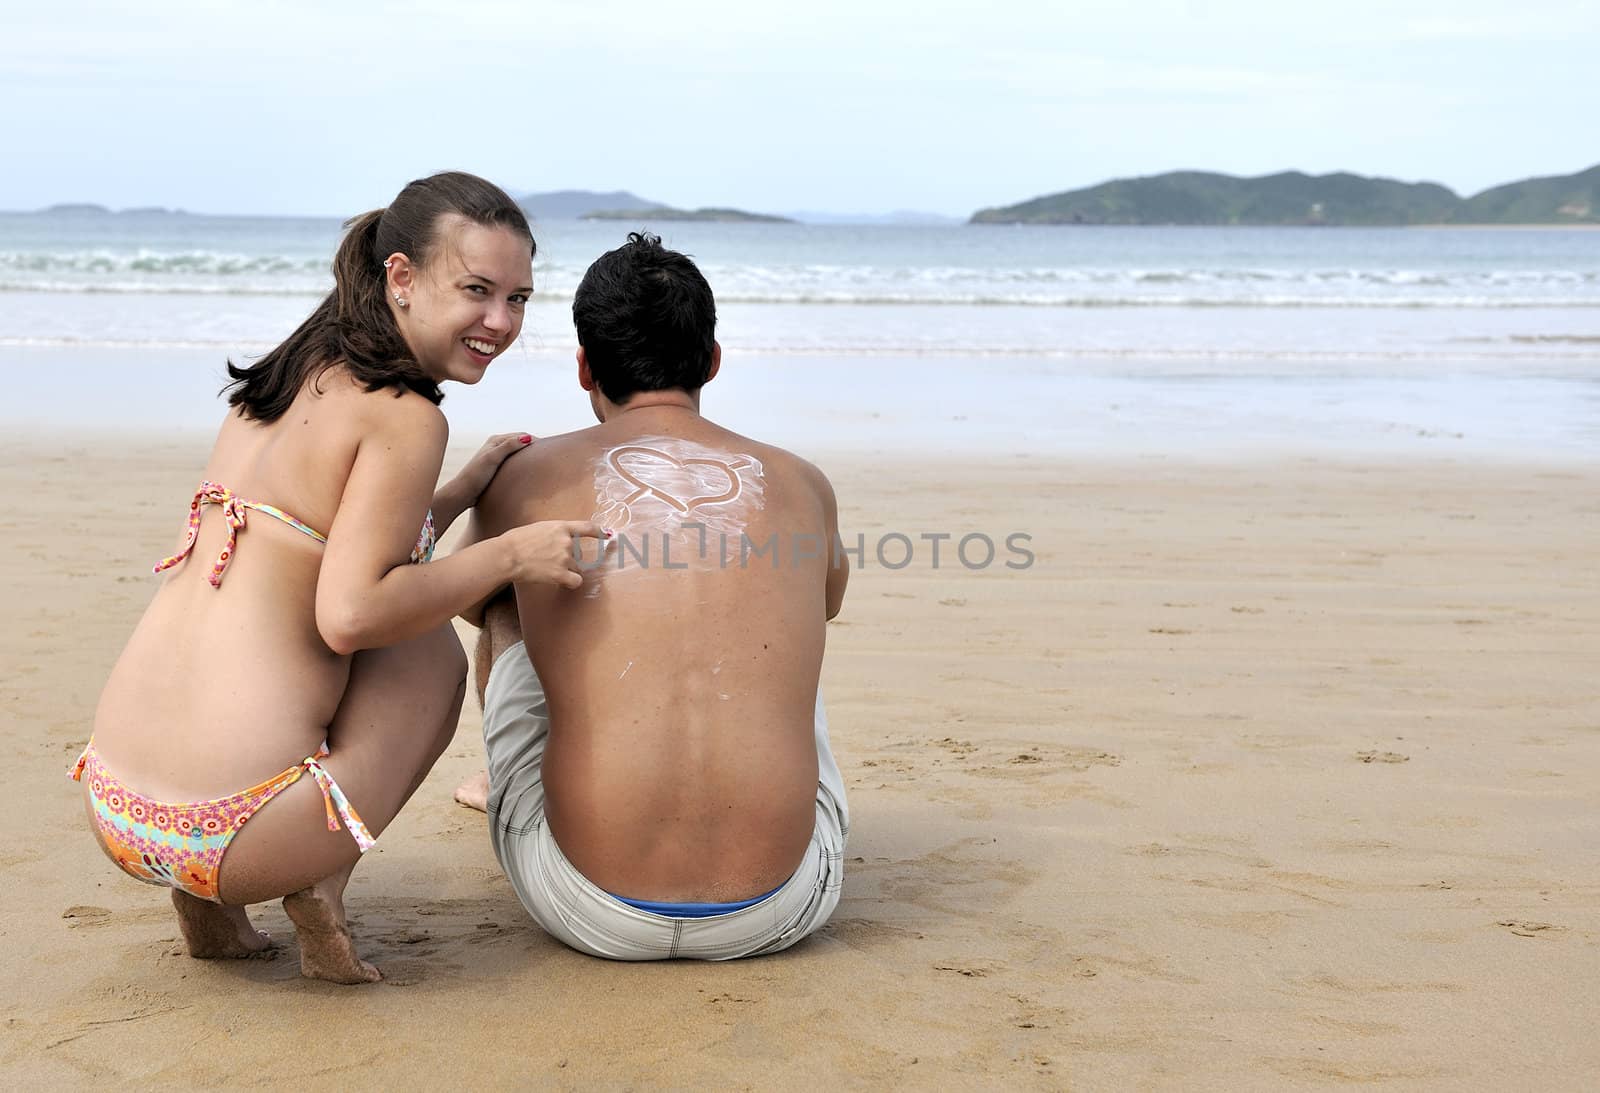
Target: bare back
{"points": [[682, 677], [222, 686]]}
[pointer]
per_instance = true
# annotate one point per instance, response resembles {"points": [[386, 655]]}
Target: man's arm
{"points": [[839, 562]]}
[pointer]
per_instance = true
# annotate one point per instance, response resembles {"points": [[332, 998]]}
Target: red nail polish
{"points": [[525, 438]]}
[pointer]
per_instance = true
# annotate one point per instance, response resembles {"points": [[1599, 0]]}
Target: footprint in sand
{"points": [[408, 937], [1524, 928], [970, 973], [725, 997], [1382, 757]]}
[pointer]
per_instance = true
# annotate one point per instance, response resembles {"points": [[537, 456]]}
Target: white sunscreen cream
{"points": [[673, 501]]}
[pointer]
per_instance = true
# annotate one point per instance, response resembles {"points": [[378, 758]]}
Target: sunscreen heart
{"points": [[684, 484]]}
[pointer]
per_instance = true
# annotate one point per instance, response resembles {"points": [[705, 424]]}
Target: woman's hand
{"points": [[462, 492], [548, 552], [472, 479]]}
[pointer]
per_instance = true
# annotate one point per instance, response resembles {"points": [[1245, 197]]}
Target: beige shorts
{"points": [[516, 724]]}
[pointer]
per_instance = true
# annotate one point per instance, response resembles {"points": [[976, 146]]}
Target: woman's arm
{"points": [[368, 595], [462, 491], [472, 614]]}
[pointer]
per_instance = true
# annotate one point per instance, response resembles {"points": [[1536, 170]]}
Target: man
{"points": [[660, 782]]}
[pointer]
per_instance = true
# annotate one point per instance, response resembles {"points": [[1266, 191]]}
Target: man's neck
{"points": [[654, 400]]}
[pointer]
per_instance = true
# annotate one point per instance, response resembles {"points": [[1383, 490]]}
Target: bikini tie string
{"points": [[337, 804], [233, 511]]}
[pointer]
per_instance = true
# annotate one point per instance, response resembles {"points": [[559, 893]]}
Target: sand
{"points": [[1269, 773]]}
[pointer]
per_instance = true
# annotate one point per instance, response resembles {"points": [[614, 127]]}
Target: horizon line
{"points": [[817, 216]]}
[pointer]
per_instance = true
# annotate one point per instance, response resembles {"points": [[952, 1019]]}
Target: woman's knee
{"points": [[441, 651], [448, 726], [433, 668], [410, 686], [447, 668]]}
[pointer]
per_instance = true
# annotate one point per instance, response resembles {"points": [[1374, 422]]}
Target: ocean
{"points": [[1202, 339]]}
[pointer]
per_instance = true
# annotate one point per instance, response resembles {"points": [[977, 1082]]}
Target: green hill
{"points": [[1565, 199], [1294, 198]]}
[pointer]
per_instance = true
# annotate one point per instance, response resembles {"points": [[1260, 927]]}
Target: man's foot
{"points": [[212, 931], [327, 950], [474, 792]]}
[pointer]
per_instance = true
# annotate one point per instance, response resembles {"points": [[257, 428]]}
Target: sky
{"points": [[865, 106]]}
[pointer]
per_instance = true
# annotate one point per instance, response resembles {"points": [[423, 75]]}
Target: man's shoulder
{"points": [[775, 457], [539, 471], [772, 457], [548, 453]]}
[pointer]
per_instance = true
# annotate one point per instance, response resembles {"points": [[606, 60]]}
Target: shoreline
{"points": [[1592, 226], [949, 404]]}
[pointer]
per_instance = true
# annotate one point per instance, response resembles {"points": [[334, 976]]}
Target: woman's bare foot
{"points": [[327, 950], [474, 792], [212, 931]]}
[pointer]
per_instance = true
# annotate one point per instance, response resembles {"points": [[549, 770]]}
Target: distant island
{"points": [[622, 205], [1293, 198], [911, 218], [86, 208], [78, 208], [665, 212], [573, 204]]}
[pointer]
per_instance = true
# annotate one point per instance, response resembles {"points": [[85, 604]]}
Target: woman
{"points": [[322, 650]]}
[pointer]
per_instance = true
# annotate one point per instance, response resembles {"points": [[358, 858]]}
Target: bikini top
{"points": [[233, 510]]}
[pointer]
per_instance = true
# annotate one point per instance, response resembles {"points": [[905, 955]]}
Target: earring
{"points": [[399, 299]]}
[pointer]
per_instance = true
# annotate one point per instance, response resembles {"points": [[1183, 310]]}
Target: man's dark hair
{"points": [[646, 320]]}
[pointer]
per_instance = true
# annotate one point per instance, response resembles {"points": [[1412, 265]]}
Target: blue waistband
{"points": [[692, 910]]}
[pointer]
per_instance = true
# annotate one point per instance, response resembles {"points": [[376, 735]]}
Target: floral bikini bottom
{"points": [[181, 845]]}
